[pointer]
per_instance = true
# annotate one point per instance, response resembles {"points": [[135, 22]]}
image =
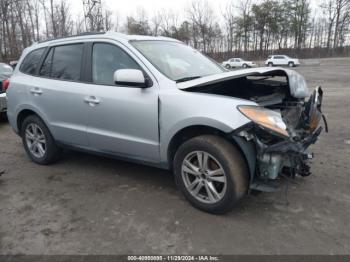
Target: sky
{"points": [[124, 8], [128, 7]]}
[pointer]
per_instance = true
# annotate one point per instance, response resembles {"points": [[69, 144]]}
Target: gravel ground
{"points": [[93, 205]]}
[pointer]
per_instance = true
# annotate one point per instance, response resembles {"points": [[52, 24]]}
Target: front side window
{"points": [[177, 61], [31, 61], [106, 59], [66, 62]]}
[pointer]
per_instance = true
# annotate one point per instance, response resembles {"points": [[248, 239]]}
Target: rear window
{"points": [[31, 61], [45, 69], [66, 62]]}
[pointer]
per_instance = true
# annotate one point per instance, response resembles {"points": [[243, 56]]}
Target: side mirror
{"points": [[130, 78]]}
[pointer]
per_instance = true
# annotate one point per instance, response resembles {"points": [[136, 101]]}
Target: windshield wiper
{"points": [[187, 79]]}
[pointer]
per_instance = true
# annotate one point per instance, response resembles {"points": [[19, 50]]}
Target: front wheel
{"points": [[291, 64], [227, 66], [38, 141], [211, 173], [270, 64]]}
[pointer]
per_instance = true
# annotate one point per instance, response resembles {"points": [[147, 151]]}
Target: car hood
{"points": [[297, 84]]}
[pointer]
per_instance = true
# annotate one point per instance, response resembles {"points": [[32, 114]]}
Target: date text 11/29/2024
{"points": [[173, 258]]}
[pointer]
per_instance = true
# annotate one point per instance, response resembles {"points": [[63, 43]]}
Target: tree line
{"points": [[247, 28]]}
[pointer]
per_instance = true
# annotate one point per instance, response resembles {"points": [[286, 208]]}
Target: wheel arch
{"points": [[23, 114], [247, 149]]}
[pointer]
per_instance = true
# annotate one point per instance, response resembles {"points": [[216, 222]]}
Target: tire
{"points": [[223, 156], [45, 153], [270, 64], [227, 66], [291, 64], [244, 65]]}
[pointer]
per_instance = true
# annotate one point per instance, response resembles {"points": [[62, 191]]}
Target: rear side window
{"points": [[31, 61], [47, 65], [106, 59], [64, 62]]}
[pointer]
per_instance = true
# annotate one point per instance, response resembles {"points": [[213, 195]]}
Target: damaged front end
{"points": [[282, 137], [284, 121]]}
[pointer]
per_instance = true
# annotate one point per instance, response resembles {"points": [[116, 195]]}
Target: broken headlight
{"points": [[265, 118]]}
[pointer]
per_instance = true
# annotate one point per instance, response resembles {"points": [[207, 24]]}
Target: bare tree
{"points": [[229, 20], [250, 28], [202, 17]]}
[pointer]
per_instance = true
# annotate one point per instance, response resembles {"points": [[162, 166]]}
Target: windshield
{"points": [[177, 61]]}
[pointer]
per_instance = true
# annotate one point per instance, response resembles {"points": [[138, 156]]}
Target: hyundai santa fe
{"points": [[157, 101]]}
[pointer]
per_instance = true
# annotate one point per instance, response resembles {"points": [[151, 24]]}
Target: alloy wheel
{"points": [[36, 141], [204, 177]]}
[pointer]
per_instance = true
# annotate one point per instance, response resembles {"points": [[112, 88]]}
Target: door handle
{"points": [[36, 91], [92, 100]]}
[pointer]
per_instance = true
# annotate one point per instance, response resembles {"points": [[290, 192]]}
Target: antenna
{"points": [[93, 15]]}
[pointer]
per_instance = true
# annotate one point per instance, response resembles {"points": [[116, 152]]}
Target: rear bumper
{"points": [[3, 102]]}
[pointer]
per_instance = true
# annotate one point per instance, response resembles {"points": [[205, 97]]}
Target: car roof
{"points": [[100, 35]]}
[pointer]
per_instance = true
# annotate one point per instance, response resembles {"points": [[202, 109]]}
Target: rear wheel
{"points": [[38, 141], [211, 173]]}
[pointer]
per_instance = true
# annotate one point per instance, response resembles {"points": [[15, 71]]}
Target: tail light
{"points": [[5, 84]]}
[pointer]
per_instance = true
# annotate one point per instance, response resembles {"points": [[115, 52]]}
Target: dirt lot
{"points": [[92, 205]]}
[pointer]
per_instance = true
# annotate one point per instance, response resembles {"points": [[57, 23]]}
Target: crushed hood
{"points": [[297, 84]]}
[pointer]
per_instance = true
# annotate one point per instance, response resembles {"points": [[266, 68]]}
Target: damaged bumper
{"points": [[271, 154]]}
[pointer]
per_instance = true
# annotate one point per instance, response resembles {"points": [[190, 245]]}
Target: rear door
{"points": [[124, 120], [59, 93]]}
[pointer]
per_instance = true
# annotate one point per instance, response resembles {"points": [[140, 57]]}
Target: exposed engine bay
{"points": [[284, 124]]}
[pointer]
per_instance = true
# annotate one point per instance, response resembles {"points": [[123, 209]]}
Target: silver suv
{"points": [[157, 101]]}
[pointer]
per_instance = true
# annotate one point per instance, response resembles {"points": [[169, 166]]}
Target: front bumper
{"points": [[275, 155], [3, 102], [269, 161], [285, 158]]}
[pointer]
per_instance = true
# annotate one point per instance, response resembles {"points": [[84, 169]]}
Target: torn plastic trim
{"points": [[266, 162], [285, 147], [249, 151]]}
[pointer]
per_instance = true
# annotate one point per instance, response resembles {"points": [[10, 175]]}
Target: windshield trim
{"points": [[171, 41]]}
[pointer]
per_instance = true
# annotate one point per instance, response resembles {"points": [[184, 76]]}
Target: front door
{"points": [[121, 120]]}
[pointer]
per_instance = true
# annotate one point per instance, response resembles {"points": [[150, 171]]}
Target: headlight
{"points": [[266, 118]]}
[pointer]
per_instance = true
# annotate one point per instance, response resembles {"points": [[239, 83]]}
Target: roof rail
{"points": [[64, 37]]}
